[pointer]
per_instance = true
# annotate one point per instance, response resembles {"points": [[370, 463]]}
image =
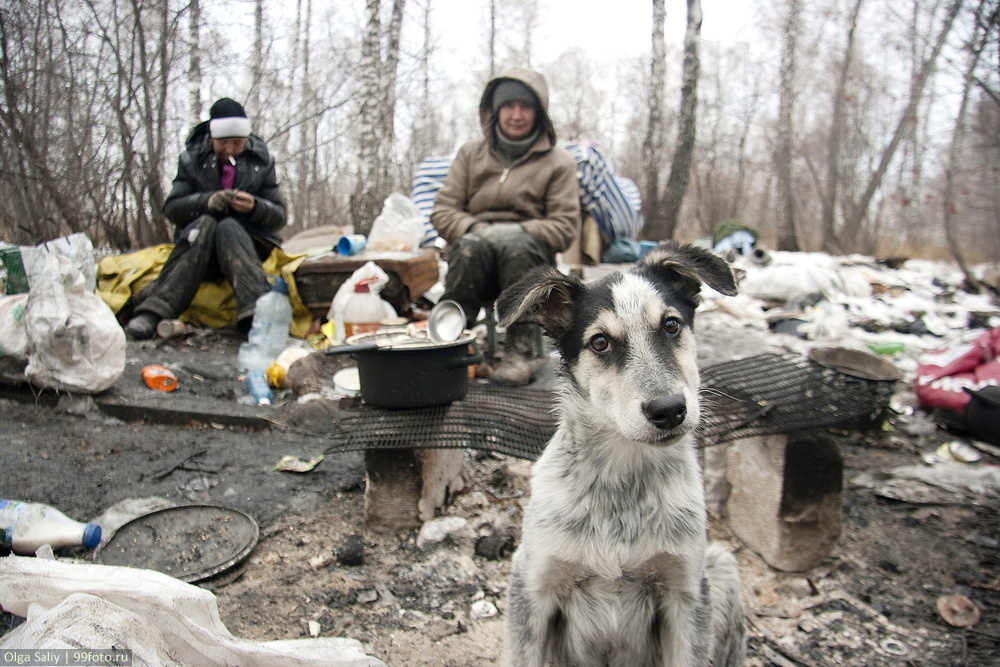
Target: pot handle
{"points": [[350, 349], [474, 358]]}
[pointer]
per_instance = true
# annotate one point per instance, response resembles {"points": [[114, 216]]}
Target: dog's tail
{"points": [[727, 610]]}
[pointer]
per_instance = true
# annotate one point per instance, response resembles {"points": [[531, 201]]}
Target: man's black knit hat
{"points": [[228, 119]]}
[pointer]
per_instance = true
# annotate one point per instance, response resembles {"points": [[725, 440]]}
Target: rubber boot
{"points": [[519, 361]]}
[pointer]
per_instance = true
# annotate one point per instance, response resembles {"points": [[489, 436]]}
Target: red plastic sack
{"points": [[943, 375]]}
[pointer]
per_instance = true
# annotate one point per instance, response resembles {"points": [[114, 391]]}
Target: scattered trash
{"points": [[957, 452], [958, 610], [352, 552], [159, 377], [180, 622], [167, 329], [483, 609], [26, 527], [288, 463], [314, 628], [438, 530], [189, 542]]}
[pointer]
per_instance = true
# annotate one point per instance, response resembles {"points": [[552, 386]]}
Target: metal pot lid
{"points": [[412, 339], [446, 322], [189, 542]]}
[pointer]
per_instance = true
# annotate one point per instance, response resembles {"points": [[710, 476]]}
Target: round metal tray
{"points": [[189, 542]]}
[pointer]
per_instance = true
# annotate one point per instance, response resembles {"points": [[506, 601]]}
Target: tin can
{"points": [[159, 378], [170, 328]]}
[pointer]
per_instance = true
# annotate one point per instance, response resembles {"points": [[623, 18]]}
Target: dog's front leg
{"points": [[684, 611], [530, 615]]}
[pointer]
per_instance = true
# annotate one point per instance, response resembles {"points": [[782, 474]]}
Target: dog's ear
{"points": [[544, 296], [693, 263]]}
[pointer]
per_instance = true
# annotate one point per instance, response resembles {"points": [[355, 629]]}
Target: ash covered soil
{"points": [[318, 567]]}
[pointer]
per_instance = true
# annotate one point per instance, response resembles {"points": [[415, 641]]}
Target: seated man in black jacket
{"points": [[226, 210]]}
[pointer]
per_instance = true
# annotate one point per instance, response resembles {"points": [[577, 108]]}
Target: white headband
{"points": [[234, 126]]}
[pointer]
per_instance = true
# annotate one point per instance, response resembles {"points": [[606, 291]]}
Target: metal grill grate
{"points": [[762, 395], [770, 394], [517, 422]]}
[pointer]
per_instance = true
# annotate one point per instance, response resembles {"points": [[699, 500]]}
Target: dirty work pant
{"points": [[483, 263], [208, 249]]}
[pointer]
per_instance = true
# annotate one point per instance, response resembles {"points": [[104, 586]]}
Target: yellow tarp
{"points": [[121, 276]]}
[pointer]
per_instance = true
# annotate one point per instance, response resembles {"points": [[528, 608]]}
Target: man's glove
{"points": [[219, 200]]}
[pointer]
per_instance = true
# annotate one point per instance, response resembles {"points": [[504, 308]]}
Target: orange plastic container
{"points": [[159, 378]]}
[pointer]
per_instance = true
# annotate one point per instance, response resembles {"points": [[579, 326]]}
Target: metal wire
{"points": [[763, 395]]}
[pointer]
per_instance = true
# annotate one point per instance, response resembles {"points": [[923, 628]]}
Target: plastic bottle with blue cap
{"points": [[25, 527]]}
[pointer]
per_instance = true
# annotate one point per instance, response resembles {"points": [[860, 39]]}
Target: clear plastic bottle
{"points": [[24, 527], [269, 332], [258, 388], [364, 311]]}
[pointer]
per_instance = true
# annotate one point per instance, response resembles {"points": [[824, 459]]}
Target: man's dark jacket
{"points": [[198, 177]]}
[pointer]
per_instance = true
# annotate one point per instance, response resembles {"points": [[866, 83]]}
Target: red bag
{"points": [[943, 375]]}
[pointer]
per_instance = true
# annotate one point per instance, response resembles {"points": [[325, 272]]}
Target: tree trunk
{"points": [[786, 112], [194, 61], [950, 207], [652, 145], [680, 168], [257, 57], [378, 104], [860, 209], [829, 196]]}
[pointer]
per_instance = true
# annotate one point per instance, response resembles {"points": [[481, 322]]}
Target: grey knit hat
{"points": [[510, 90]]}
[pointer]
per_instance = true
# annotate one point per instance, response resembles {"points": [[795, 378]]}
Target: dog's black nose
{"points": [[666, 411]]}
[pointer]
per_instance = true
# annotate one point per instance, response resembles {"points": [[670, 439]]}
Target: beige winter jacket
{"points": [[540, 190]]}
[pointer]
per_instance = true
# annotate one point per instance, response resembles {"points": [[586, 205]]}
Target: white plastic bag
{"points": [[400, 225], [160, 619], [78, 250], [369, 271], [13, 334], [75, 342]]}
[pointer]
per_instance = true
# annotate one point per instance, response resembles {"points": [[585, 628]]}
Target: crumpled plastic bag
{"points": [[77, 249], [13, 334], [377, 279], [162, 620], [400, 225], [75, 343]]}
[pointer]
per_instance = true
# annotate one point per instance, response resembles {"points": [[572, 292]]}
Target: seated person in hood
{"points": [[510, 202]]}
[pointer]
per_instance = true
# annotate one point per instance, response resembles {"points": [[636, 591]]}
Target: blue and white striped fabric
{"points": [[614, 202], [427, 181]]}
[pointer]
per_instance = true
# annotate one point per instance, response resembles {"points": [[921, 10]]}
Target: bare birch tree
{"points": [[859, 209], [786, 239], [194, 61], [687, 123], [652, 145], [829, 196], [378, 102]]}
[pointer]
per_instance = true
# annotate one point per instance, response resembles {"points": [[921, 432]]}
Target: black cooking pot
{"points": [[399, 370]]}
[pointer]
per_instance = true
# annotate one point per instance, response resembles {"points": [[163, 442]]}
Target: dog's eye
{"points": [[671, 326], [600, 344]]}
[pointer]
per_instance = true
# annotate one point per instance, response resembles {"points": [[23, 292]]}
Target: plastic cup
{"points": [[352, 244]]}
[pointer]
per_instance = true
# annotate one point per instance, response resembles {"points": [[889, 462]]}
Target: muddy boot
{"points": [[142, 326], [519, 360]]}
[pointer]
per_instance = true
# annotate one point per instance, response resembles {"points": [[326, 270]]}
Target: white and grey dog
{"points": [[614, 567]]}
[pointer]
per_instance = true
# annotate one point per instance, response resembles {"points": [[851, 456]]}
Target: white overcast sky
{"points": [[612, 28]]}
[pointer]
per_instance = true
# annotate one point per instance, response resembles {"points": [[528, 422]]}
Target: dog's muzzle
{"points": [[666, 412]]}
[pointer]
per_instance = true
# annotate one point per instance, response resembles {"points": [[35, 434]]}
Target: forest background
{"points": [[869, 126]]}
